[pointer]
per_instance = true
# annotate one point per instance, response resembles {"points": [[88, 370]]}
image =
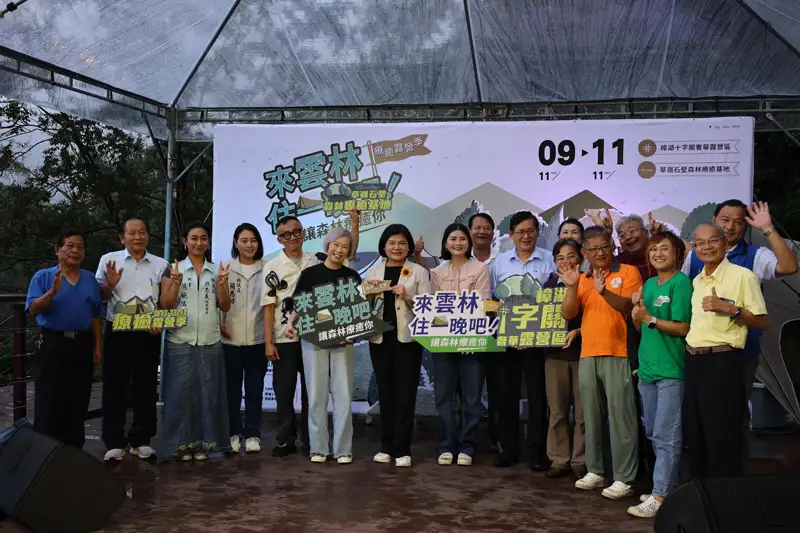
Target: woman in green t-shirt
{"points": [[662, 312]]}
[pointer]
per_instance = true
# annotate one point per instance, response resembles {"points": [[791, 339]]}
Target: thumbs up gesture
{"points": [[175, 273], [715, 304]]}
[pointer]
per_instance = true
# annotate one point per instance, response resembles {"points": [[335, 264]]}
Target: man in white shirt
{"points": [[129, 281], [282, 274]]}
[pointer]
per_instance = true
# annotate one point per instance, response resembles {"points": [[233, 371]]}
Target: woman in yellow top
{"points": [[459, 272]]}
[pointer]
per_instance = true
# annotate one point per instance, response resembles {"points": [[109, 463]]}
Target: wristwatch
{"points": [[768, 231], [652, 323], [737, 314]]}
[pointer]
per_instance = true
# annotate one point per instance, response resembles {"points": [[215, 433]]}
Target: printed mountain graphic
{"points": [[671, 215], [574, 206], [497, 201]]}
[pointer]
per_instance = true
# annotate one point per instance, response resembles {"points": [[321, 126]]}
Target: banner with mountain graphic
{"points": [[428, 175]]}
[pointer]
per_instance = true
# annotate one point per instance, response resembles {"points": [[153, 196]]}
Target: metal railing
{"points": [[16, 351]]}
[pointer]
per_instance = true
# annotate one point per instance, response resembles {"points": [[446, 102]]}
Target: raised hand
{"points": [[715, 304], [571, 275], [419, 246], [222, 276], [355, 218], [112, 276], [58, 281], [175, 274], [759, 217], [655, 225], [600, 280]]}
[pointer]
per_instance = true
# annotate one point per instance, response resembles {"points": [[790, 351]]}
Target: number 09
{"points": [[566, 153]]}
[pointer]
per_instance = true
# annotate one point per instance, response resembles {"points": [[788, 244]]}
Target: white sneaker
{"points": [[446, 459], [344, 459], [646, 509], [643, 497], [252, 445], [381, 457], [318, 458], [617, 491], [186, 457], [115, 454], [200, 456], [590, 482], [143, 452], [404, 461], [236, 444], [464, 460]]}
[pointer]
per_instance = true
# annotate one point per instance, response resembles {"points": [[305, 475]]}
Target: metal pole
{"points": [[784, 130], [172, 128], [18, 352]]}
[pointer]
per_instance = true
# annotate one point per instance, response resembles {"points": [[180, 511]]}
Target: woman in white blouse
{"points": [[195, 408], [459, 272], [242, 330], [396, 357]]}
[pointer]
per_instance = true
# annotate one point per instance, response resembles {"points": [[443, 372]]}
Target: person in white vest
{"points": [[129, 281], [242, 329]]}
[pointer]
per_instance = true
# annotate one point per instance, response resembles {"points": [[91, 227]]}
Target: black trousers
{"points": [[248, 364], [490, 364], [63, 370], [129, 357], [397, 370], [511, 366], [284, 384], [713, 401]]}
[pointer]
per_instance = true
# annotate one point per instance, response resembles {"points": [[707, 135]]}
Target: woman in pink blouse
{"points": [[459, 272]]}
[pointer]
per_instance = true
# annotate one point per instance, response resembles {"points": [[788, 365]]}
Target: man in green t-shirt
{"points": [[662, 312]]}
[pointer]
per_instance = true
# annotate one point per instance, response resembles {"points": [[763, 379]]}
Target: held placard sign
{"points": [[448, 321]]}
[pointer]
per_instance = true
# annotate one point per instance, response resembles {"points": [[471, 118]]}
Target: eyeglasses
{"points": [[713, 241], [606, 248], [289, 234], [525, 232]]}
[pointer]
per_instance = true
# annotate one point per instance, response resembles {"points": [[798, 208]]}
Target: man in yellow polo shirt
{"points": [[604, 375], [727, 300]]}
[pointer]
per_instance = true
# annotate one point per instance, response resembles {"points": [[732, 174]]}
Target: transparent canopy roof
{"points": [[118, 60]]}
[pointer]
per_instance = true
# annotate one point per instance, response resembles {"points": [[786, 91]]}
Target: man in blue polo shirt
{"points": [[66, 303], [733, 216]]}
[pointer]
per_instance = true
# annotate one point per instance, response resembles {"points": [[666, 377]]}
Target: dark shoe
{"points": [[554, 472], [579, 471], [504, 461], [539, 464], [283, 451]]}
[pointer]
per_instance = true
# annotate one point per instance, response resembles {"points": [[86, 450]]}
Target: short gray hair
{"points": [[629, 219], [335, 233]]}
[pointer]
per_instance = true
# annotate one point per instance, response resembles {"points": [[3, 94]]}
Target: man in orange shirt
{"points": [[604, 295]]}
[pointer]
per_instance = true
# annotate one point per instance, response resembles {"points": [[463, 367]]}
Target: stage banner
{"points": [[427, 175]]}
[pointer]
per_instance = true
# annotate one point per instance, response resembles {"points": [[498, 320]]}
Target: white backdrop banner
{"points": [[426, 175]]}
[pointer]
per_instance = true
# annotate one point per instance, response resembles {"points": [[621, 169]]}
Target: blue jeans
{"points": [[329, 371], [447, 367], [250, 363], [661, 404]]}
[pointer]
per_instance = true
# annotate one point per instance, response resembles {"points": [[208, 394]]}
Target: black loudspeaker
{"points": [[50, 487], [758, 504]]}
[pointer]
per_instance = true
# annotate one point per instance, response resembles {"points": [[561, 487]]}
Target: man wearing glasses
{"points": [[525, 258], [606, 385], [727, 300]]}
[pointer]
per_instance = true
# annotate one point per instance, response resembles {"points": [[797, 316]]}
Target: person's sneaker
{"points": [[344, 459], [252, 445], [590, 482], [643, 497], [617, 491], [143, 452], [383, 458], [200, 456], [318, 458], [404, 461], [283, 450], [646, 509], [115, 454], [464, 460], [445, 459], [236, 444], [186, 457]]}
